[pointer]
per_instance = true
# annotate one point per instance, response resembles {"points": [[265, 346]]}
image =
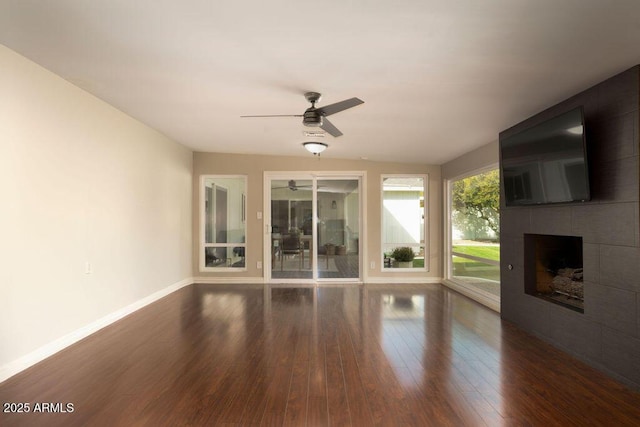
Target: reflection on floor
{"points": [[317, 356]]}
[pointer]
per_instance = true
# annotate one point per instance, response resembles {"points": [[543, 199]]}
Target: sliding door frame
{"points": [[314, 176]]}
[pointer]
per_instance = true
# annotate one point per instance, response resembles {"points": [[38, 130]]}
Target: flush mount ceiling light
{"points": [[315, 147]]}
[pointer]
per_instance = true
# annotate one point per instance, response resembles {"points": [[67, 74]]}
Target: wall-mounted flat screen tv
{"points": [[546, 163]]}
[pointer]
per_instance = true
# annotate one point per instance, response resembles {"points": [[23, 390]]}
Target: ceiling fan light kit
{"points": [[315, 147]]}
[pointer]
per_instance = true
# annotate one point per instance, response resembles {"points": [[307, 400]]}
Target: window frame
{"points": [[203, 245], [425, 231], [475, 293]]}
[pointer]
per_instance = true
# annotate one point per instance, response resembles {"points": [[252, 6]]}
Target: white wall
{"points": [[81, 182]]}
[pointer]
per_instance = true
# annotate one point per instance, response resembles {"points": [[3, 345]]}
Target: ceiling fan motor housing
{"points": [[312, 118]]}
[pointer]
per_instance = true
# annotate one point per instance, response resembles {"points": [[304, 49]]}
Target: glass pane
{"points": [[403, 222], [477, 273], [217, 257], [224, 222], [291, 229], [338, 227], [224, 210], [475, 226]]}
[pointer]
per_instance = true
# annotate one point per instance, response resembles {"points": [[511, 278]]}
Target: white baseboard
{"points": [[484, 298], [47, 350], [403, 280], [226, 280]]}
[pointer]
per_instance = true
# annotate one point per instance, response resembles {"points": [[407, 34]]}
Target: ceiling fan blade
{"points": [[275, 115], [329, 127], [330, 109]]}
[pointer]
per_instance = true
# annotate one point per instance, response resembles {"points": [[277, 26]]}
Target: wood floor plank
{"points": [[296, 408], [356, 395], [303, 356], [337, 403], [317, 406], [277, 393]]}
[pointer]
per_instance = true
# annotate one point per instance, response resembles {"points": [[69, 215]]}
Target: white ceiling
{"points": [[438, 78]]}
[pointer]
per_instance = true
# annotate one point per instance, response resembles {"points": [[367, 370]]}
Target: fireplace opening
{"points": [[553, 269]]}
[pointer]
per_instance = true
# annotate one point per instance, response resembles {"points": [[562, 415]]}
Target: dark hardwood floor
{"points": [[362, 356]]}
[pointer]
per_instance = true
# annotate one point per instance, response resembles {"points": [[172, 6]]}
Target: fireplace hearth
{"points": [[554, 270]]}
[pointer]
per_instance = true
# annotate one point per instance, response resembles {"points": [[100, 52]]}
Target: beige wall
{"points": [[254, 167], [81, 182]]}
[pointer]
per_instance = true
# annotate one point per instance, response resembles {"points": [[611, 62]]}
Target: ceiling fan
{"points": [[291, 185], [316, 117]]}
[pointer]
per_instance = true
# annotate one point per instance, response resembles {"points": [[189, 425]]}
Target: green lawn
{"points": [[468, 268], [471, 268], [491, 252]]}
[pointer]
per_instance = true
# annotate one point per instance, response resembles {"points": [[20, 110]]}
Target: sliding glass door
{"points": [[291, 228], [338, 228], [313, 227]]}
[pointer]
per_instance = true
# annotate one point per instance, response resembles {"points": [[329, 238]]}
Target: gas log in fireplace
{"points": [[553, 269]]}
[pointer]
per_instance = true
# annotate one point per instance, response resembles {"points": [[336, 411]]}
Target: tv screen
{"points": [[546, 163]]}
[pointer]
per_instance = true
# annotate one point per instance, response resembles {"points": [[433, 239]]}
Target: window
{"points": [[475, 232], [223, 224], [403, 222]]}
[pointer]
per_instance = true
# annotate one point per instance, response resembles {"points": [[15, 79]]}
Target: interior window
{"points": [[223, 222], [403, 222]]}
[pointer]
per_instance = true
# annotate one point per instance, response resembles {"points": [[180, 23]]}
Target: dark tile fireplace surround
{"points": [[590, 250]]}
